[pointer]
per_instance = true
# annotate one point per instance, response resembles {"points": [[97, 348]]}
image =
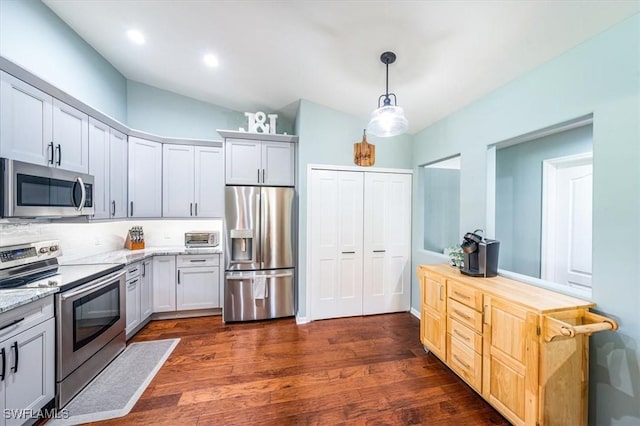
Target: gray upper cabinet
{"points": [[108, 165], [253, 162], [118, 171], [192, 181], [145, 178], [38, 129], [26, 129]]}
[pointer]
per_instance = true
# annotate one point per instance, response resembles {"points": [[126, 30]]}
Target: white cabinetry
{"points": [[198, 282], [359, 269], [164, 283], [139, 295], [36, 128], [145, 178], [192, 181], [27, 352], [195, 284], [108, 165], [253, 162]]}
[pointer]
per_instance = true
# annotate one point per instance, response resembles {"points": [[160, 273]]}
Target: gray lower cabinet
{"points": [[27, 352], [186, 282], [139, 295]]}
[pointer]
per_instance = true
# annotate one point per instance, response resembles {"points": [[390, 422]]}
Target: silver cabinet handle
{"points": [[178, 276], [144, 269], [132, 283], [59, 149], [190, 209], [197, 260], [379, 251], [196, 209], [113, 208], [51, 159], [263, 176], [132, 209], [348, 252], [258, 175]]}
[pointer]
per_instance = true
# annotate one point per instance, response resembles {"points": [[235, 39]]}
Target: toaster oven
{"points": [[195, 239]]}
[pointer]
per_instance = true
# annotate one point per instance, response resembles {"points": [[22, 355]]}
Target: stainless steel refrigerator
{"points": [[260, 259]]}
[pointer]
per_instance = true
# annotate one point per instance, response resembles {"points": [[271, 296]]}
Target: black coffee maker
{"points": [[480, 255]]}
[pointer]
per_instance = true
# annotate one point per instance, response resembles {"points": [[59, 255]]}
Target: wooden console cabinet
{"points": [[524, 349]]}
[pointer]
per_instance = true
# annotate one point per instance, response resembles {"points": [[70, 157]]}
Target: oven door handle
{"points": [[93, 287]]}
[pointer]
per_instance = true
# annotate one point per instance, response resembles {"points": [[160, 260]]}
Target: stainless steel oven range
{"points": [[90, 310]]}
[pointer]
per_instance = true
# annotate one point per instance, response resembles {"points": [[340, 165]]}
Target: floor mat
{"points": [[116, 390]]}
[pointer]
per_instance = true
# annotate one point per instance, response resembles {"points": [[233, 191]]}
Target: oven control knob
{"points": [[53, 248], [52, 283], [44, 250]]}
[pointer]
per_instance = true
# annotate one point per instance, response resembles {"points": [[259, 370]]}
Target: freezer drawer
{"points": [[259, 295]]}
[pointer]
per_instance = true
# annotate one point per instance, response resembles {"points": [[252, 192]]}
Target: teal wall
{"points": [[442, 208], [33, 37], [600, 76], [164, 113], [327, 137], [519, 195]]}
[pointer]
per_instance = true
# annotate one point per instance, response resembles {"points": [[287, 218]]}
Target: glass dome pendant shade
{"points": [[387, 120]]}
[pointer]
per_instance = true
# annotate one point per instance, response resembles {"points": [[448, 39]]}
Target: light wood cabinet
{"points": [[523, 348]]}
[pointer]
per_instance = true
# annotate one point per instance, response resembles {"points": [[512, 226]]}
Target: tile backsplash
{"points": [[90, 238]]}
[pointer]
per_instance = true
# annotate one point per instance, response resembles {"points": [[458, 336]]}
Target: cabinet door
{"points": [[433, 325], [146, 290], [243, 164], [178, 180], [25, 122], [99, 167], [164, 283], [336, 250], [133, 305], [145, 178], [198, 288], [70, 137], [277, 164], [510, 361], [387, 243], [32, 385], [209, 182], [118, 174]]}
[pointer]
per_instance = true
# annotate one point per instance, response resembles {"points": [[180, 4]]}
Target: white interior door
{"points": [[336, 243], [567, 224], [387, 243]]}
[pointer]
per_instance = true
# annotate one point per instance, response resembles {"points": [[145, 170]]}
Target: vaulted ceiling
{"points": [[272, 53]]}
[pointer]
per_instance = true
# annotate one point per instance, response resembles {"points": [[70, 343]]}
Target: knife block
{"points": [[130, 245]]}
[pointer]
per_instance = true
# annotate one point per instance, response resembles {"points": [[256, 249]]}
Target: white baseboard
{"points": [[301, 320], [415, 313]]}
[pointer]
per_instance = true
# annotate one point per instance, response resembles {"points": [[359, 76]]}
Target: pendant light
{"points": [[388, 120]]}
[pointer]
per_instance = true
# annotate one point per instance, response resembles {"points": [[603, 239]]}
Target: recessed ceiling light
{"points": [[210, 60], [136, 36]]}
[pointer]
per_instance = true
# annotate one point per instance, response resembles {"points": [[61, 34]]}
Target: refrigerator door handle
{"points": [[257, 241], [239, 277]]}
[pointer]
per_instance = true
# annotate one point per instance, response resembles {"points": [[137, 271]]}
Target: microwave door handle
{"points": [[83, 190]]}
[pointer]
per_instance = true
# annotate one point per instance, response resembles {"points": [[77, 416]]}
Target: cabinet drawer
{"points": [[23, 317], [464, 294], [464, 361], [196, 260], [465, 315], [465, 335], [133, 271]]}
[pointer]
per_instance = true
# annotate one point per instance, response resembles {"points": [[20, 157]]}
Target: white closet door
{"points": [[387, 243], [336, 249]]}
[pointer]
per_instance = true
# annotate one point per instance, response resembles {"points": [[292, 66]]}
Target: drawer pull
{"points": [[461, 362], [441, 298], [197, 260], [467, 317], [462, 295], [461, 335]]}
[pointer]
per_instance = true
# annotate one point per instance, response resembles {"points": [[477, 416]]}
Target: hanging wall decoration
{"points": [[257, 122], [364, 153]]}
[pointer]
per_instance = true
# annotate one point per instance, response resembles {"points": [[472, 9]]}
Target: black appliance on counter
{"points": [[480, 255]]}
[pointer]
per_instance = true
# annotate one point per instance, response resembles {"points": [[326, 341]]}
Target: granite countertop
{"points": [[130, 256], [13, 297]]}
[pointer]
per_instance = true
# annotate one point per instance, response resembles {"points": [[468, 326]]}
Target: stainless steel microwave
{"points": [[31, 190]]}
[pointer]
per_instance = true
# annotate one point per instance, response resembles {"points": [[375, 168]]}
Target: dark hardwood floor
{"points": [[361, 370]]}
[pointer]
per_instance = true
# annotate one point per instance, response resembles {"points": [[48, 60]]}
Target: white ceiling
{"points": [[273, 53]]}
